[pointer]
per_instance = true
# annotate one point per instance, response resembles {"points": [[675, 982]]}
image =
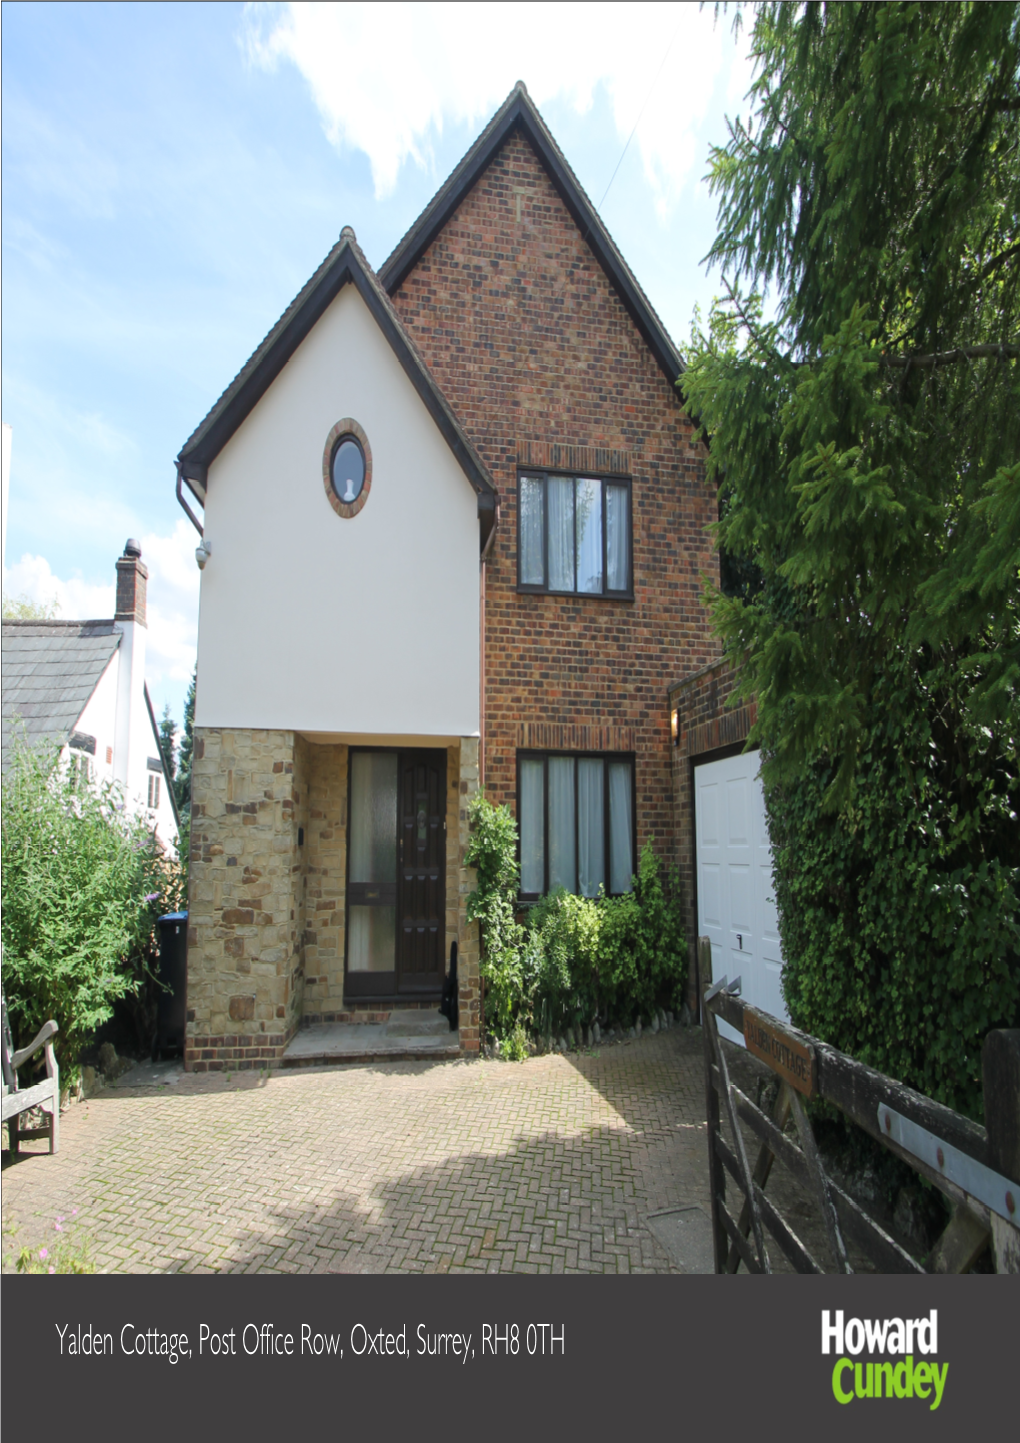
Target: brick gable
{"points": [[543, 366]]}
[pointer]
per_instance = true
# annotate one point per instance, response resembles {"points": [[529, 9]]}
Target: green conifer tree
{"points": [[865, 431]]}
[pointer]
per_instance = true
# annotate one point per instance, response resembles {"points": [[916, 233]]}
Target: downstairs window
{"points": [[575, 812]]}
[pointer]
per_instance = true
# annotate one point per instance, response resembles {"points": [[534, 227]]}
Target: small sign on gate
{"points": [[790, 1058]]}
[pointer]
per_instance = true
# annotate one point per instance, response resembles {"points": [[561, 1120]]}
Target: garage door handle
{"points": [[740, 939]]}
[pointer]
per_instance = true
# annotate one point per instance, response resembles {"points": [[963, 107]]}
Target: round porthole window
{"points": [[347, 468]]}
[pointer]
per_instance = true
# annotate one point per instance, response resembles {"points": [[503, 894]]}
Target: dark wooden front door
{"points": [[422, 892], [396, 873]]}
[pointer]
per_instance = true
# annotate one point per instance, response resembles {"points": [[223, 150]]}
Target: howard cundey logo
{"points": [[897, 1338]]}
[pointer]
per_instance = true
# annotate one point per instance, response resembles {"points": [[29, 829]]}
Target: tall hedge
{"points": [[860, 384], [898, 913]]}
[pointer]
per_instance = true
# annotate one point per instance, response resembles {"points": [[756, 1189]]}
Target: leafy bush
{"points": [[83, 884], [493, 852], [576, 959], [898, 914]]}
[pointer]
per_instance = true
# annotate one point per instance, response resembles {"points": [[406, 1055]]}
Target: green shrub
{"points": [[492, 851], [83, 884], [576, 959], [898, 913]]}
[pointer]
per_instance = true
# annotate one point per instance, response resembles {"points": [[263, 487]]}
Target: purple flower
{"points": [[51, 1269], [44, 1252], [58, 1226], [152, 896]]}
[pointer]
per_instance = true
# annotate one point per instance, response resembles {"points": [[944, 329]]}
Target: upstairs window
{"points": [[574, 535], [576, 816], [153, 792]]}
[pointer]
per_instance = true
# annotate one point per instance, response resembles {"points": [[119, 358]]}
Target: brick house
{"points": [[456, 520]]}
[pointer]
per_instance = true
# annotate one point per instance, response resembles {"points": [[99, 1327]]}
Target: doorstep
{"points": [[411, 1034]]}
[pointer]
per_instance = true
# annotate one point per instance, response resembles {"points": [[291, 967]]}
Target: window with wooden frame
{"points": [[574, 535], [575, 814]]}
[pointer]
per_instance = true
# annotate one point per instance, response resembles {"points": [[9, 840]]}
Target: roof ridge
{"points": [[450, 182], [58, 621], [345, 263], [412, 345], [263, 346], [519, 110]]}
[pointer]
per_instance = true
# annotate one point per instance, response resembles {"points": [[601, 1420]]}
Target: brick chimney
{"points": [[132, 730], [132, 575]]}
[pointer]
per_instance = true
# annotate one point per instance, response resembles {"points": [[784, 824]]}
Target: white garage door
{"points": [[736, 905]]}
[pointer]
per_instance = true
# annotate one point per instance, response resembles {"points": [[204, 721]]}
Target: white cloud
{"points": [[172, 605], [386, 77]]}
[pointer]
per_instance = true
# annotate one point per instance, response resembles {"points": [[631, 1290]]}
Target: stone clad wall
{"points": [[325, 875], [244, 953]]}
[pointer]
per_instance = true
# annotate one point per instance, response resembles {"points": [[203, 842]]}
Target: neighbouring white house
{"points": [[81, 685]]}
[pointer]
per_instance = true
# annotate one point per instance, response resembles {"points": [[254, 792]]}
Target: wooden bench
{"points": [[45, 1094]]}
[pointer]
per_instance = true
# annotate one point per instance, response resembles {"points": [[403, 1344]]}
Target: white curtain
{"points": [[532, 528], [561, 534], [562, 847], [617, 539], [589, 536], [374, 817], [621, 831], [532, 821], [591, 865]]}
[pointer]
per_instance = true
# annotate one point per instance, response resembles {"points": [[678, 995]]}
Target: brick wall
{"points": [[705, 724], [544, 367]]}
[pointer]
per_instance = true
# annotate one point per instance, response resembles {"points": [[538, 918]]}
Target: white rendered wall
{"points": [[315, 623], [99, 719]]}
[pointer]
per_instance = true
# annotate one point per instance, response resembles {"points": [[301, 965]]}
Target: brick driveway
{"points": [[549, 1166]]}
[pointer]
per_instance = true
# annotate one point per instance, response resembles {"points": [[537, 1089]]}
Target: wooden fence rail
{"points": [[977, 1168]]}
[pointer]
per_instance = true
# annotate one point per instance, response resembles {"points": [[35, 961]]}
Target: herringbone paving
{"points": [[552, 1165]]}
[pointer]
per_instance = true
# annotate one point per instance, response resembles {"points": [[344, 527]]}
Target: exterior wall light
{"points": [[674, 725], [202, 552]]}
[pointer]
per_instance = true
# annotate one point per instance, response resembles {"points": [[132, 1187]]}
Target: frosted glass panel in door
{"points": [[374, 817], [372, 943]]}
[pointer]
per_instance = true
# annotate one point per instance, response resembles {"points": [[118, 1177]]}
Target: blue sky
{"points": [[172, 174]]}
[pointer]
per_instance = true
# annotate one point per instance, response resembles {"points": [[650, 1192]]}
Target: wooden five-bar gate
{"points": [[977, 1168]]}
